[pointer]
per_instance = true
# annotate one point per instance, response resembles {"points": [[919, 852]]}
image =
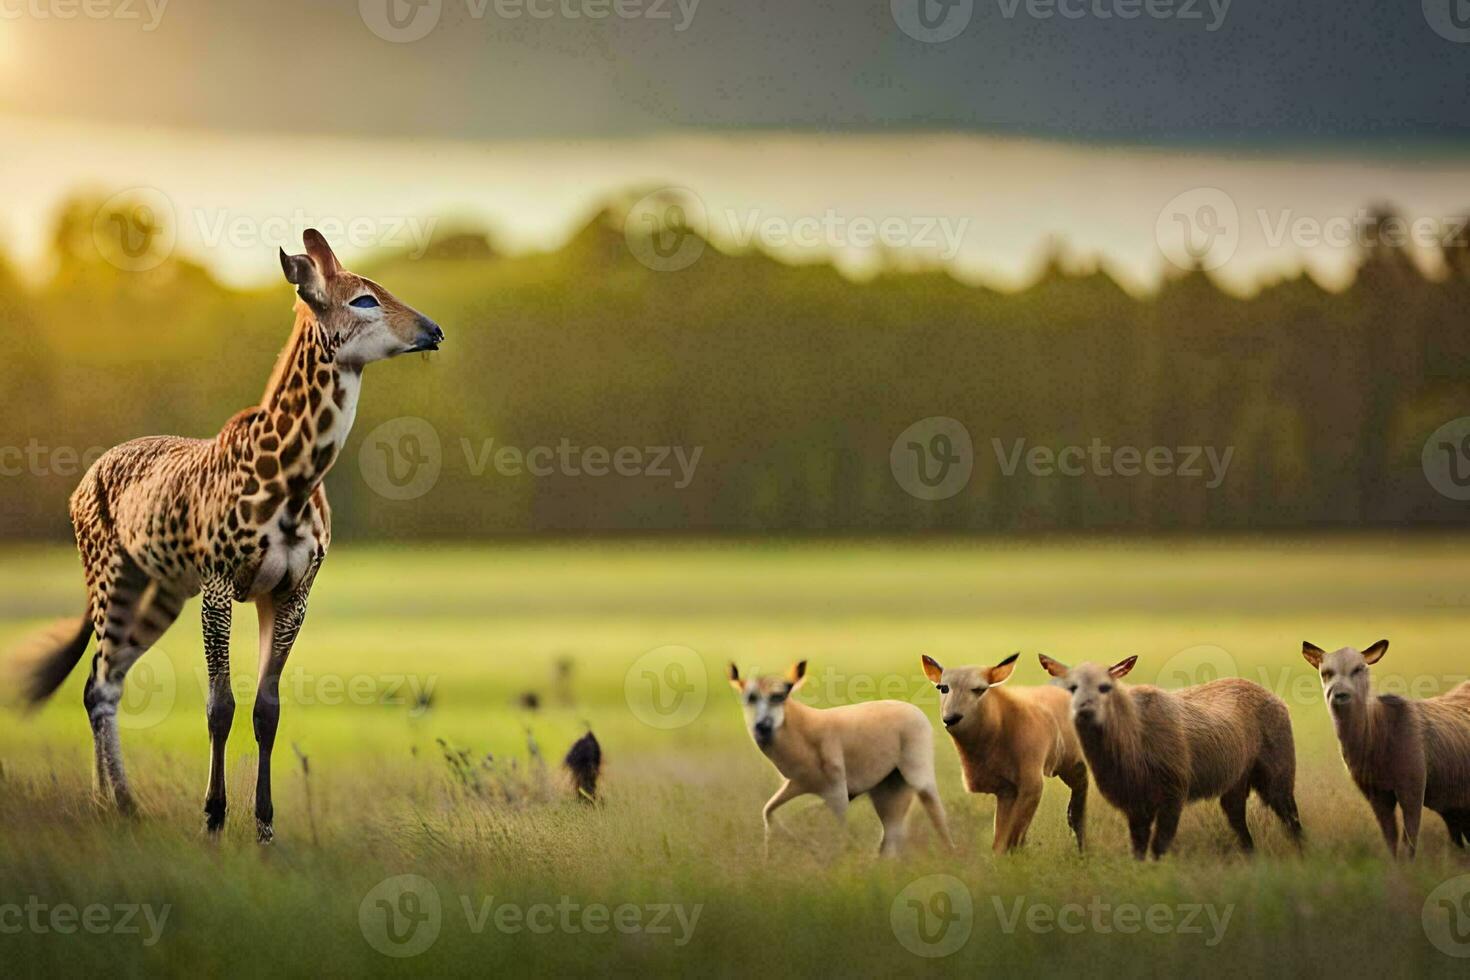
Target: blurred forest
{"points": [[794, 380]]}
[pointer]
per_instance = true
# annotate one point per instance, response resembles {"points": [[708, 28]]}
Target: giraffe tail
{"points": [[45, 658]]}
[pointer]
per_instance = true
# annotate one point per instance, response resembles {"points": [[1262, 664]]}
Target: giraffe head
{"points": [[362, 320]]}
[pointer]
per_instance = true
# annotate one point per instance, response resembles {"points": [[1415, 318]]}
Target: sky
{"points": [[985, 130], [1217, 72]]}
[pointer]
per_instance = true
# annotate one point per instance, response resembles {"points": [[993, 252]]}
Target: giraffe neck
{"points": [[304, 419]]}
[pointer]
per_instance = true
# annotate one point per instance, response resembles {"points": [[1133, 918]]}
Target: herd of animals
{"points": [[244, 517], [1149, 750]]}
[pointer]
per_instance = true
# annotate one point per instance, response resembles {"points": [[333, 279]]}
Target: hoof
{"points": [[264, 834]]}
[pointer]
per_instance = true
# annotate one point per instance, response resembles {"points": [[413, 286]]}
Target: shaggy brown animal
{"points": [[1010, 739], [1405, 754], [1151, 751]]}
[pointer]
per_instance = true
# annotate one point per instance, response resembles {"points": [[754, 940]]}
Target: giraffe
{"points": [[242, 517]]}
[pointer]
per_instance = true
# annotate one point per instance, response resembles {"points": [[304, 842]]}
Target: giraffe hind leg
{"points": [[130, 613]]}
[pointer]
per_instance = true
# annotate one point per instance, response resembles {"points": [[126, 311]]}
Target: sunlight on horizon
{"points": [[991, 209]]}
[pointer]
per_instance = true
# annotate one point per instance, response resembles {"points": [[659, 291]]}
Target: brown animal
{"points": [[1151, 751], [1009, 740], [884, 749], [1409, 754]]}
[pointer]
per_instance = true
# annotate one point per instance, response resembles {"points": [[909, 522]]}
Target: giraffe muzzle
{"points": [[430, 337]]}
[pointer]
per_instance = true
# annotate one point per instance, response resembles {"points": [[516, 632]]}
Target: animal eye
{"points": [[1105, 688], [1072, 688], [1359, 670], [1327, 675], [365, 302], [977, 690], [750, 699], [777, 698], [943, 688]]}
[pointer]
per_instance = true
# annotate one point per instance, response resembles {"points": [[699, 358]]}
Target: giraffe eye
{"points": [[366, 301]]}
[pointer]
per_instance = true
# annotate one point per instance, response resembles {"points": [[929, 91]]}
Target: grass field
{"points": [[666, 874]]}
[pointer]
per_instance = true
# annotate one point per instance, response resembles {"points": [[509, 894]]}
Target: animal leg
{"points": [[1277, 790], [1413, 806], [130, 613], [1076, 780], [929, 797], [216, 613], [1452, 825], [280, 621], [788, 792], [1028, 797], [1140, 823], [1383, 809], [1233, 803], [1005, 805], [1165, 828], [891, 802]]}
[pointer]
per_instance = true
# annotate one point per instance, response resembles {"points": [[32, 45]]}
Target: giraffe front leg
{"points": [[217, 613], [280, 620]]}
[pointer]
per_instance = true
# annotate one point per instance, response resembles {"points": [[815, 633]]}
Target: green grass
{"points": [[680, 818]]}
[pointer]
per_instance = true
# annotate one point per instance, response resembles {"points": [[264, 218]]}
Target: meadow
{"points": [[407, 696]]}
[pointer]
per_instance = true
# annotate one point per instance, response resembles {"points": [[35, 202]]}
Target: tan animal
{"points": [[884, 749], [1151, 751], [240, 517], [1009, 741], [1409, 754]]}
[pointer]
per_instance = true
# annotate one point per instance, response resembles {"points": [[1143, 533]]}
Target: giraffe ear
{"points": [[302, 272], [321, 253]]}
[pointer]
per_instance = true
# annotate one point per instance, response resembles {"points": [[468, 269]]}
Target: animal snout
{"points": [[1339, 696], [1086, 712], [430, 336], [952, 720], [763, 731]]}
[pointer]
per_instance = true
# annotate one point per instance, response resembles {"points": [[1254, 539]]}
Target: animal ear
{"points": [[1313, 654], [1121, 668], [1053, 667], [735, 680], [1375, 653], [321, 253], [795, 674], [1002, 670], [932, 670], [301, 272]]}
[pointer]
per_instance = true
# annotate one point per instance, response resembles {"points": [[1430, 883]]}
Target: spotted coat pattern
{"points": [[240, 517]]}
